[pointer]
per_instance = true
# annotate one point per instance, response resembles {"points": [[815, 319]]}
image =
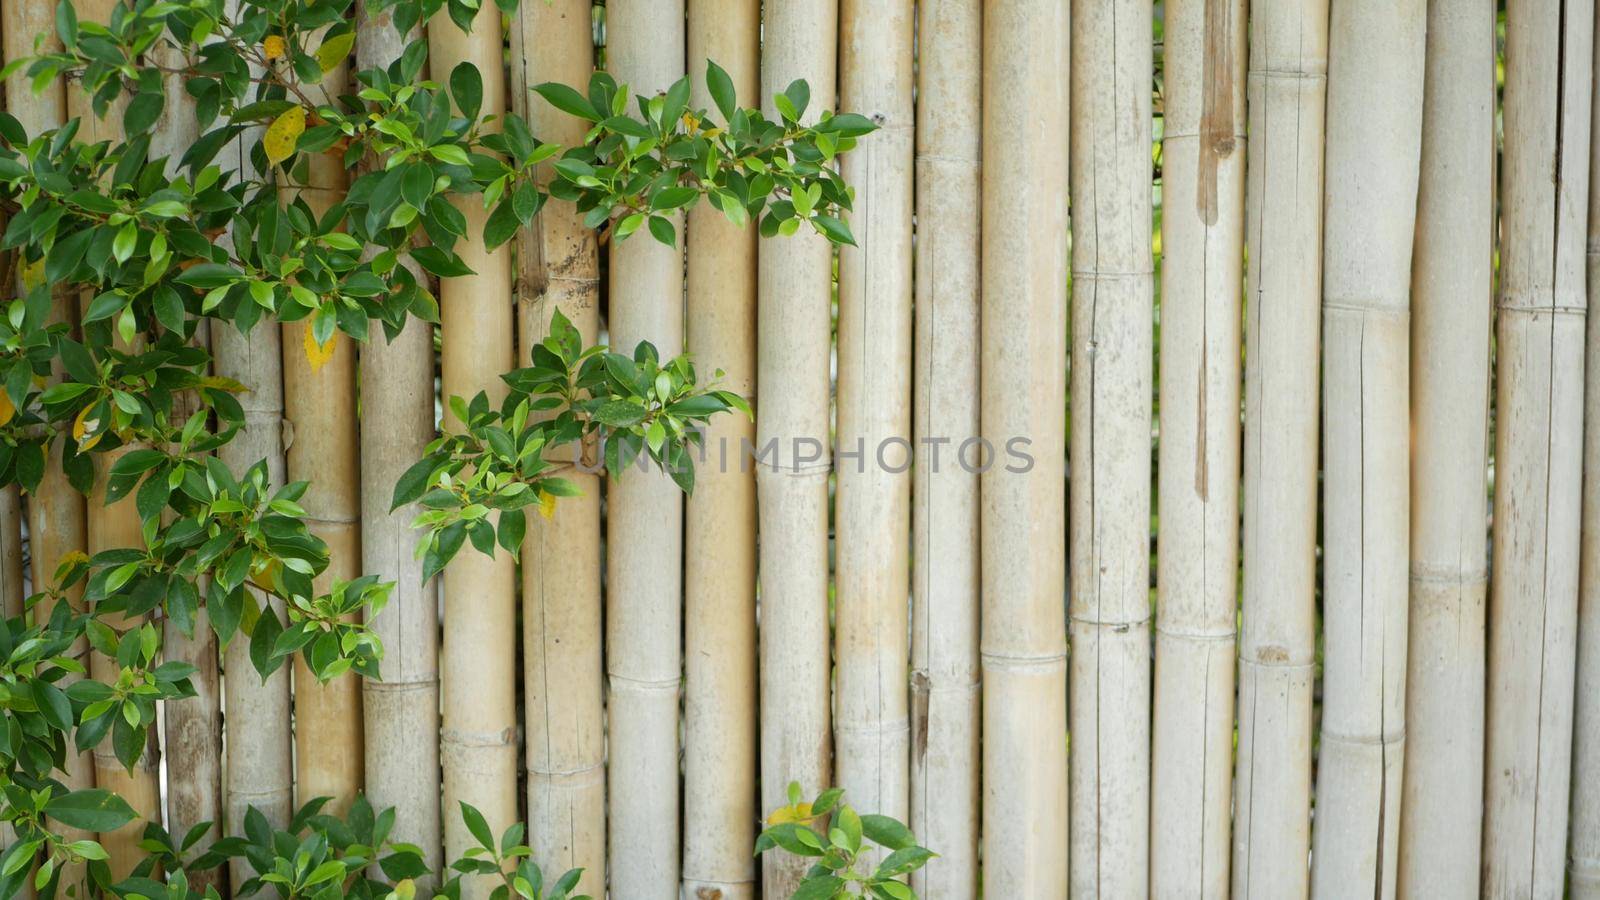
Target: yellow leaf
{"points": [[334, 50], [282, 134], [547, 504], [317, 354], [83, 425], [32, 274], [796, 813], [273, 47], [7, 410]]}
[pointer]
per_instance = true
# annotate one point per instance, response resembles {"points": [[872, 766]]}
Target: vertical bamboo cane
{"points": [[719, 794], [872, 727], [1451, 280], [259, 769], [478, 678], [563, 685], [794, 336], [1538, 447], [1202, 283], [1583, 852], [1277, 644], [400, 713], [1113, 278], [1374, 144], [1025, 103], [944, 512], [644, 666], [12, 589], [320, 407]]}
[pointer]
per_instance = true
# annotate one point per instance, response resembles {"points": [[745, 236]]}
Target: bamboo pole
{"points": [[1441, 812], [794, 336], [719, 794], [944, 512], [12, 589], [1277, 643], [644, 665], [1109, 535], [873, 495], [1538, 447], [1374, 144], [1202, 282], [478, 680], [563, 685], [1025, 102], [400, 712], [323, 448], [1583, 853]]}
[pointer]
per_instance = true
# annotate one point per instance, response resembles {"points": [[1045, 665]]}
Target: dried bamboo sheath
{"points": [[1277, 640], [1538, 446], [1202, 224], [1441, 812], [719, 794], [944, 513], [794, 327], [1025, 99], [558, 269]]}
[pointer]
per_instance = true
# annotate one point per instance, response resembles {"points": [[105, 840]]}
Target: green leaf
{"points": [[833, 229], [567, 100], [477, 825], [888, 832], [661, 229], [91, 810], [334, 50], [721, 87], [466, 86]]}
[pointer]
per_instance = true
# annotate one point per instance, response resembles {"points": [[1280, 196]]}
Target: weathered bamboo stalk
{"points": [[1197, 576], [1025, 103], [563, 685], [1277, 643], [719, 794], [323, 448], [12, 589], [1112, 328], [944, 512], [794, 337], [873, 495], [1441, 812], [1583, 851], [644, 597], [1538, 447], [400, 713], [478, 680], [1374, 144]]}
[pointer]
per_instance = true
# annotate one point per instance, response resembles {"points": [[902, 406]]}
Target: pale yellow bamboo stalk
{"points": [[478, 680], [323, 448], [1202, 284], [563, 686], [1583, 852], [794, 285], [873, 495], [1374, 144], [719, 771], [1025, 103], [1441, 812], [644, 665], [400, 712], [1277, 642], [1109, 534], [1538, 447], [944, 512]]}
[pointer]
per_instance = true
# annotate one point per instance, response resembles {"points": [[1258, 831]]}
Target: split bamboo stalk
{"points": [[1583, 853], [1109, 534], [259, 771], [563, 685], [562, 670], [873, 495], [1441, 812], [323, 448], [400, 713], [108, 527], [794, 333], [644, 622], [478, 679], [1025, 114], [1373, 149], [719, 794], [1277, 644], [1197, 576], [1538, 447], [944, 512]]}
